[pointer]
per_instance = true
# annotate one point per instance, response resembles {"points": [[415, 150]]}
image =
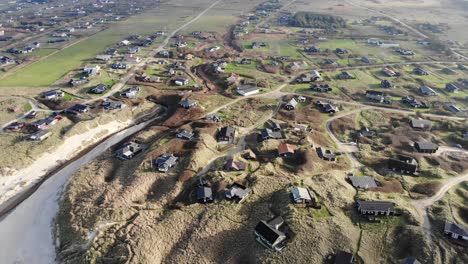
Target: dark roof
{"points": [[375, 205], [456, 228], [411, 260], [426, 145], [227, 131], [268, 232], [372, 92], [343, 257], [204, 192], [268, 133], [363, 182]]}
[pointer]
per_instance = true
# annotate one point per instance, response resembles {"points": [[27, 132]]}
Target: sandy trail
{"points": [[24, 178]]}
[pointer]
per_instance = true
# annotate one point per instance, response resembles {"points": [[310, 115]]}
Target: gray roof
{"points": [[375, 206], [420, 123], [363, 182], [426, 145], [456, 228], [165, 161]]}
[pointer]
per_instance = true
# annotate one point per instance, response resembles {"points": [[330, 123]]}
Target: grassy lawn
{"points": [[50, 69]]}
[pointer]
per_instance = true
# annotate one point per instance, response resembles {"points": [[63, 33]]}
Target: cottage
{"points": [[286, 150], [164, 162], [181, 81], [15, 126], [103, 57], [420, 71], [275, 126], [238, 192], [427, 91], [204, 194], [426, 147], [403, 164], [325, 154], [227, 135], [363, 182], [375, 208], [131, 92], [249, 155], [389, 72], [386, 84], [53, 94], [269, 235], [405, 52], [413, 102], [291, 105], [119, 66], [80, 108], [232, 165], [326, 107], [452, 108], [129, 150], [99, 89], [233, 78], [91, 70], [340, 51], [345, 76], [322, 88], [301, 99], [188, 103], [456, 231], [214, 48], [185, 134], [131, 59], [368, 60], [411, 260], [267, 133], [452, 88], [133, 50], [124, 43], [375, 96], [313, 76], [40, 135], [366, 132], [113, 105], [247, 90], [312, 49], [344, 258], [77, 82], [301, 195], [420, 123]]}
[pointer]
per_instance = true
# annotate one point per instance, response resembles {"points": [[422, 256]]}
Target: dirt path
{"points": [[422, 205]]}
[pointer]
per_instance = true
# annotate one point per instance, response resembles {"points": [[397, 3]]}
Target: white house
{"points": [[301, 195], [247, 90]]}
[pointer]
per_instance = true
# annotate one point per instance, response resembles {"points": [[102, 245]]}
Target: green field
{"points": [[48, 70]]}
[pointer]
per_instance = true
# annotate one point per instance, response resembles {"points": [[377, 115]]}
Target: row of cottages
{"points": [[375, 208], [247, 90]]}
